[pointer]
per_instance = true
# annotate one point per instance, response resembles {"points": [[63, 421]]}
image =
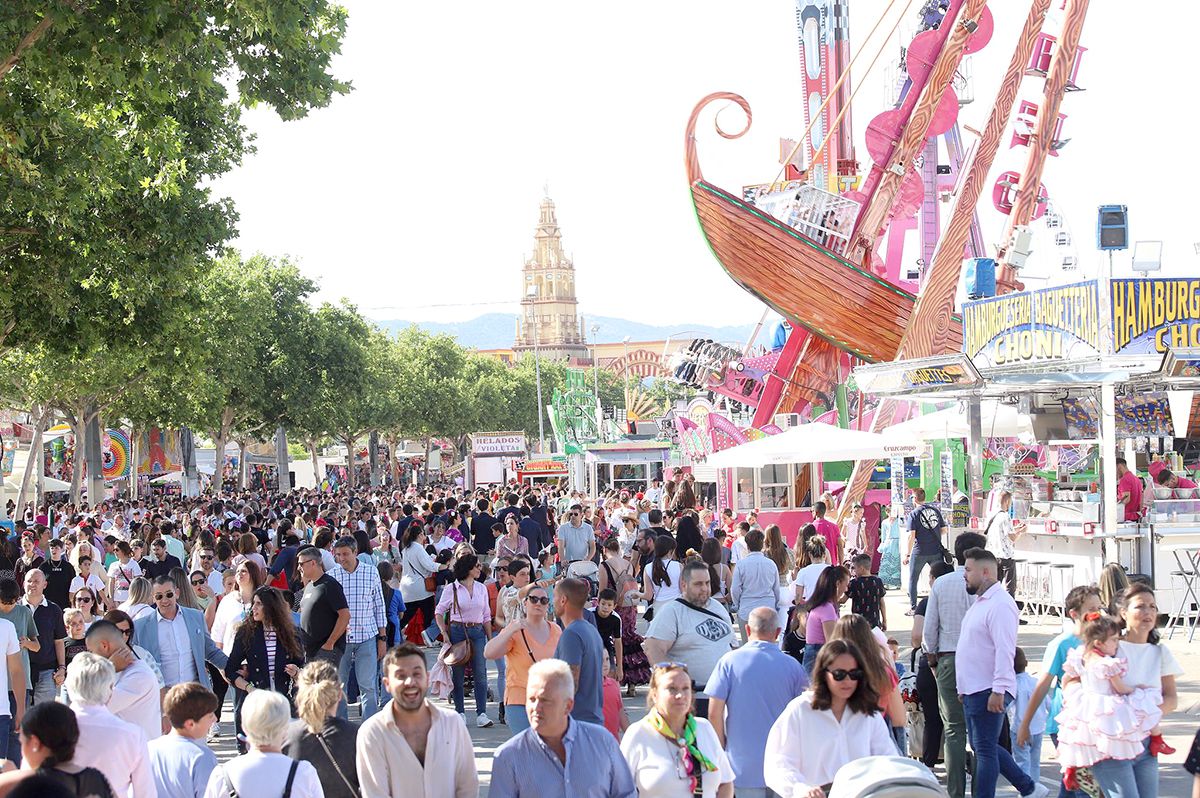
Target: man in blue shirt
{"points": [[581, 648], [559, 756], [748, 690]]}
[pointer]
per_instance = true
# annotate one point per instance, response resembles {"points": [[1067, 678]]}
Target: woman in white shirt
{"points": [[265, 771], [93, 583], [854, 532], [1150, 664], [660, 580], [835, 722], [417, 566], [806, 578], [140, 599], [235, 606], [122, 573], [671, 749]]}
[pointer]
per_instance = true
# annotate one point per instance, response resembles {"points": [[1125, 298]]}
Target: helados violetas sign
{"points": [[1061, 323], [1155, 315]]}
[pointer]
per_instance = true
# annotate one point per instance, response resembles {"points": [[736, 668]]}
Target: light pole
{"points": [[595, 363], [625, 372]]}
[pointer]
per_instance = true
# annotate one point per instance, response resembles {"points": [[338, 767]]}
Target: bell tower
{"points": [[548, 319]]}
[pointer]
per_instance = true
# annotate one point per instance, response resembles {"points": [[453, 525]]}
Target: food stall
{"points": [[1100, 369]]}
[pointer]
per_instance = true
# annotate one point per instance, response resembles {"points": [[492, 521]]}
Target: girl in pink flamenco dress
{"points": [[1102, 716]]}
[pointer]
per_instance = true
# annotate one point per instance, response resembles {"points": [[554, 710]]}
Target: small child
{"points": [[608, 624], [181, 761], [894, 645], [1104, 718], [1029, 756], [866, 593], [615, 719]]}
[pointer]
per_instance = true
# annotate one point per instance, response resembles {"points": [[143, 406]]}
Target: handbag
{"points": [[458, 653], [431, 583], [353, 790]]}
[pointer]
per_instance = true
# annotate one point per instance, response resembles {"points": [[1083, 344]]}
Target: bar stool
{"points": [[1186, 558], [1037, 586], [1022, 583], [1065, 573]]}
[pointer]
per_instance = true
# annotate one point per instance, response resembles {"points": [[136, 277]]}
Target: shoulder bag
{"points": [[287, 787], [336, 766], [459, 653]]}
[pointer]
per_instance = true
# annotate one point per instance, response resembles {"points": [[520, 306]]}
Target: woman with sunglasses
{"points": [[86, 577], [84, 600], [833, 723], [880, 673], [671, 752], [522, 642]]}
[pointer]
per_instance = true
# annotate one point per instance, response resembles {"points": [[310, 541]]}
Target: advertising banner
{"points": [[493, 443], [1155, 315], [1051, 324]]}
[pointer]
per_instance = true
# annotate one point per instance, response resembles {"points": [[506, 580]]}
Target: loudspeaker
{"points": [[1112, 227]]}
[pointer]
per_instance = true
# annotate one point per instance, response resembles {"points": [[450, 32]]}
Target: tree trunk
{"points": [[312, 448], [394, 459], [134, 451], [31, 465], [243, 468], [76, 418], [221, 438], [428, 444], [348, 442]]}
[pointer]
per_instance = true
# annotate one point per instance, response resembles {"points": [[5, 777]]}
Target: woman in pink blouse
{"points": [[464, 613]]}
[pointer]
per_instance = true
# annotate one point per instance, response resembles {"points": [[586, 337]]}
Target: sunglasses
{"points": [[671, 666], [840, 675], [83, 599], [197, 583], [538, 599], [206, 556], [170, 594]]}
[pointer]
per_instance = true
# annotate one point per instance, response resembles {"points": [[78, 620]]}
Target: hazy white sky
{"points": [[416, 195]]}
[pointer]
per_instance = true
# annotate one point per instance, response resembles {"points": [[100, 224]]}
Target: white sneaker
{"points": [[483, 721], [1039, 790]]}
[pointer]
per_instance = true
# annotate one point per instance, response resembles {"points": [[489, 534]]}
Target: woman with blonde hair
{"points": [[140, 599], [1112, 583], [320, 736]]}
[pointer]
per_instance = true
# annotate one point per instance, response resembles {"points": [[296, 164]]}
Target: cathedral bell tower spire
{"points": [[549, 318]]}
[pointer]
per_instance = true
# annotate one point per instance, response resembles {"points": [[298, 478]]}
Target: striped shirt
{"points": [[364, 596]]}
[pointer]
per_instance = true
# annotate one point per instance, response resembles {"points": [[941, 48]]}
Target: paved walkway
{"points": [[1179, 727]]}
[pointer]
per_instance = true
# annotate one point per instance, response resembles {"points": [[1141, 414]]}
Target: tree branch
{"points": [[30, 39]]}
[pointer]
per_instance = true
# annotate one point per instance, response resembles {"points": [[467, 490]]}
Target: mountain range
{"points": [[497, 330]]}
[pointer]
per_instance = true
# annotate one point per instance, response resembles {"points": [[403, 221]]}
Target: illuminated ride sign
{"points": [[1052, 324], [916, 376]]}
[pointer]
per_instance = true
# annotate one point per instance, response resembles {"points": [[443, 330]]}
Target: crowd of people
{"points": [[767, 668]]}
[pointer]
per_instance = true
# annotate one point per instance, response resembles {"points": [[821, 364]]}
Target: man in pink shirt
{"points": [[828, 530], [1170, 480], [1129, 490], [986, 678]]}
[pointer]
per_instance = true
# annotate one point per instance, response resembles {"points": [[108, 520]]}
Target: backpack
{"points": [[885, 777]]}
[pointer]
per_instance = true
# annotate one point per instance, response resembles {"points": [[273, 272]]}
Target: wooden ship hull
{"points": [[836, 300]]}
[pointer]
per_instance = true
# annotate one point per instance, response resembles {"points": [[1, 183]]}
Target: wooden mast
{"points": [[912, 139], [1061, 66], [929, 327]]}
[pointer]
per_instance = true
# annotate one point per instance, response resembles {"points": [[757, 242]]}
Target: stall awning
{"points": [[636, 456], [817, 443], [999, 421]]}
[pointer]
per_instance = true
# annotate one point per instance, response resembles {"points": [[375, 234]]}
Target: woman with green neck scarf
{"points": [[671, 752]]}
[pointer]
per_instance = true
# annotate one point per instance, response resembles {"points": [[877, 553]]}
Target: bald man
{"points": [[749, 688], [135, 697], [589, 762]]}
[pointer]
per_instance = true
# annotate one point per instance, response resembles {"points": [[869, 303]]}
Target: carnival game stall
{"points": [[1089, 373], [628, 464]]}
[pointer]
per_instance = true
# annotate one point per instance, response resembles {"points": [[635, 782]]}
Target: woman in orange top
{"points": [[521, 643]]}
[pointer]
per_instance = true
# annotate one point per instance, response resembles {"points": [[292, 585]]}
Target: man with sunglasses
{"points": [[576, 538], [177, 638], [212, 576]]}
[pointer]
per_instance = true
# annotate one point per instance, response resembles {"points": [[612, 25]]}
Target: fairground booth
{"points": [[1056, 385]]}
